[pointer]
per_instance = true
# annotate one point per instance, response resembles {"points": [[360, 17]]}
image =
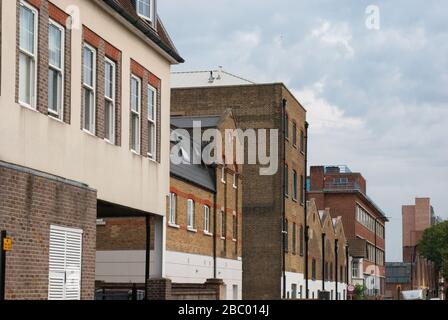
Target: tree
{"points": [[434, 246], [360, 292]]}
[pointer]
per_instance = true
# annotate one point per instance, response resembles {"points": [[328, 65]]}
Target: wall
{"points": [[30, 203], [119, 176]]}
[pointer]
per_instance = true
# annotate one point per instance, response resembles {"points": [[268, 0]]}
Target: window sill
{"points": [[109, 142], [189, 229], [208, 234], [235, 187], [152, 158], [27, 106], [222, 181], [174, 226], [223, 238], [55, 118], [135, 153], [234, 240], [89, 133]]}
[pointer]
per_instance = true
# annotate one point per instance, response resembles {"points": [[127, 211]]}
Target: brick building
{"points": [[421, 273], [204, 235], [327, 256], [345, 193], [274, 242], [267, 206], [84, 135]]}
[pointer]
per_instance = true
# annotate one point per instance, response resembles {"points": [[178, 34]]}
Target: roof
{"points": [[187, 122], [212, 78], [198, 174], [158, 35]]}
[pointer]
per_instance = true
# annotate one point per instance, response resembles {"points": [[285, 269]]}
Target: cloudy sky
{"points": [[377, 100]]}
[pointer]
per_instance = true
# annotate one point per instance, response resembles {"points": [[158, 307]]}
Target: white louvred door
{"points": [[65, 264]]}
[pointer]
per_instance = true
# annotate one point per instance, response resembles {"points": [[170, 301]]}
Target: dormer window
{"points": [[145, 9]]}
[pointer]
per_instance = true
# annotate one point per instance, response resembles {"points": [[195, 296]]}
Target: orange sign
{"points": [[7, 244]]}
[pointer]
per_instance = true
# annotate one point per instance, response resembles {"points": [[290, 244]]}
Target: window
{"points": [[294, 291], [313, 269], [294, 185], [89, 84], [144, 9], [206, 219], [223, 174], [221, 224], [294, 135], [190, 214], [286, 127], [302, 141], [235, 181], [294, 239], [286, 235], [135, 113], [173, 209], [152, 106], [27, 55], [302, 190], [301, 235], [331, 272], [286, 173], [355, 269], [235, 227], [109, 96], [55, 70]]}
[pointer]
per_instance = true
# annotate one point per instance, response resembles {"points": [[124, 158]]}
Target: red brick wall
{"points": [[30, 204]]}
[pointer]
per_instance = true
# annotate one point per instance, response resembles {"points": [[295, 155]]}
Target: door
{"points": [[65, 257]]}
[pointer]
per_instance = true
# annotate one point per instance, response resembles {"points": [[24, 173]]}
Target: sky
{"points": [[377, 98]]}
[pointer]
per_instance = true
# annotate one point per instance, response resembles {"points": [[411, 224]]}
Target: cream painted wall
{"points": [[31, 139]]}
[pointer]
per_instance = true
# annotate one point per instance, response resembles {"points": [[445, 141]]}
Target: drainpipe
{"points": [[306, 213], [323, 262], [347, 265], [284, 102], [148, 255], [336, 251], [215, 271], [376, 262]]}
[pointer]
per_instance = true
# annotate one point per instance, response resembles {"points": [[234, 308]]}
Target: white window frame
{"points": [[137, 114], [151, 10], [112, 99], [93, 89], [173, 210], [60, 113], [33, 55], [207, 219], [221, 225], [190, 215], [153, 142], [235, 185]]}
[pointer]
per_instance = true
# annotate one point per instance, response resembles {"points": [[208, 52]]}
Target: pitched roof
{"points": [[187, 122], [211, 78], [198, 174], [126, 8]]}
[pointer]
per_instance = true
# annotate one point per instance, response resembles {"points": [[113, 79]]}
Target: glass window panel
{"points": [[55, 46], [109, 117], [135, 95], [27, 26], [109, 80], [26, 79], [151, 102], [88, 66], [54, 90]]}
